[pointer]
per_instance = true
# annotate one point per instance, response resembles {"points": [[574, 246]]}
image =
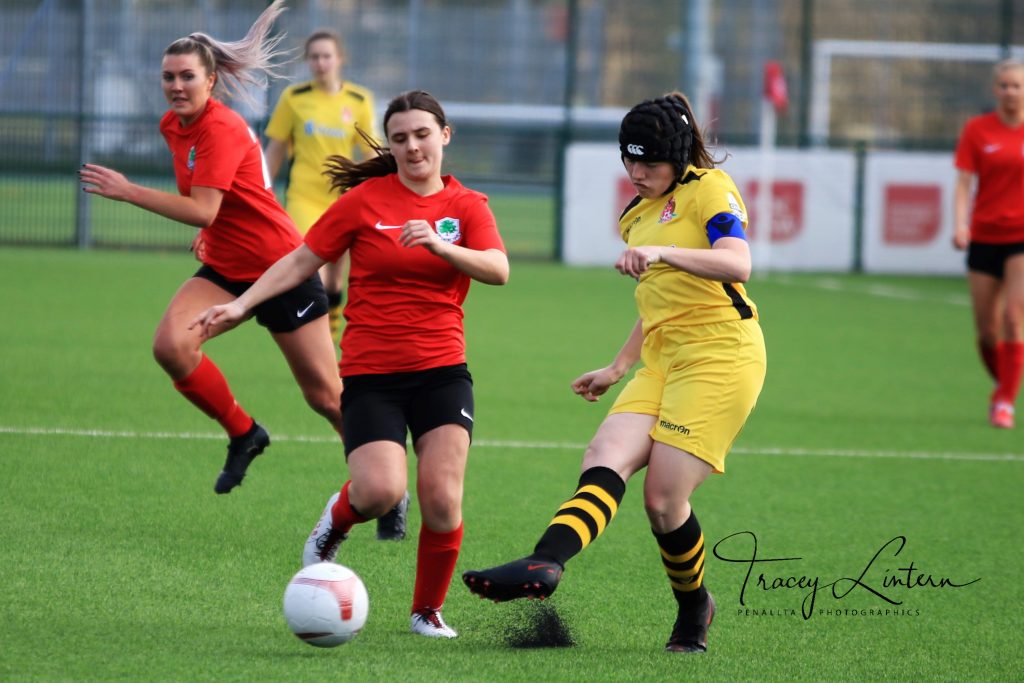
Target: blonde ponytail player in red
{"points": [[226, 193]]}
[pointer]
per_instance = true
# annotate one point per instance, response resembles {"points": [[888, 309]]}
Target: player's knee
{"points": [[324, 401], [662, 508], [441, 506], [172, 352], [1013, 318], [379, 497]]}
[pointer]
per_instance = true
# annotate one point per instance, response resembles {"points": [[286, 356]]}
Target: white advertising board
{"points": [[812, 225], [908, 214], [812, 208]]}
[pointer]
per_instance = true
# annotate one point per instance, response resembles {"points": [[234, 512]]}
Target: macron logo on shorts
{"points": [[665, 424]]}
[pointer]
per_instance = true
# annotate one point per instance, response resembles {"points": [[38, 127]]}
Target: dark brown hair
{"points": [[699, 154], [345, 174]]}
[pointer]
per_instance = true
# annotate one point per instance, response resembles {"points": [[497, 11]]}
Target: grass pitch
{"points": [[868, 465]]}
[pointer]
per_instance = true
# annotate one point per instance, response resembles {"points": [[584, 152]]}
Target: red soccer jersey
{"points": [[995, 152], [251, 230], [404, 309]]}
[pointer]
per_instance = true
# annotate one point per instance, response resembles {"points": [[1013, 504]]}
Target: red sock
{"points": [[209, 391], [1010, 361], [344, 515], [989, 358], [435, 564]]}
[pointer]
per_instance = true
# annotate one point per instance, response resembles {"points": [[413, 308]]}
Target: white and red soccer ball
{"points": [[326, 604]]}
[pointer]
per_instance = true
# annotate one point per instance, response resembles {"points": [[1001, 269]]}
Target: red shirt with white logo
{"points": [[404, 309], [995, 152], [219, 150]]}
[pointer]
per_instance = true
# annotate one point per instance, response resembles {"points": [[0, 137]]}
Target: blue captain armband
{"points": [[725, 225]]}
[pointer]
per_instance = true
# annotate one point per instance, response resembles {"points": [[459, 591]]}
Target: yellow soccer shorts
{"points": [[701, 382]]}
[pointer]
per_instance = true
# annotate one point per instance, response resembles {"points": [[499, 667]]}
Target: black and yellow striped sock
{"points": [[583, 517], [682, 554]]}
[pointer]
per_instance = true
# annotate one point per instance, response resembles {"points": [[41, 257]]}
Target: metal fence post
{"points": [[806, 60], [565, 131], [1006, 38], [83, 217], [860, 162]]}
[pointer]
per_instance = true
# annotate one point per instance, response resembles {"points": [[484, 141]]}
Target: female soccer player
{"points": [[225, 191], [991, 152], [703, 365], [311, 122], [417, 239]]}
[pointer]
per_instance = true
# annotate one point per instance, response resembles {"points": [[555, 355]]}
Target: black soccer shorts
{"points": [[991, 258], [383, 407], [285, 312]]}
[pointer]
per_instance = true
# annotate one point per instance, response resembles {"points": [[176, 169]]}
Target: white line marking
{"points": [[525, 445], [879, 290]]}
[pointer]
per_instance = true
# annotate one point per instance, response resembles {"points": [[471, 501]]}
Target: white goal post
{"points": [[826, 50]]}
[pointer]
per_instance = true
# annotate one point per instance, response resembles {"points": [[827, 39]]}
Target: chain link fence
{"points": [[79, 81]]}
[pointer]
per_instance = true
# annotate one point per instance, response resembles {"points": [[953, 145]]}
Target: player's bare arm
{"points": [[592, 385], [489, 266], [198, 210], [728, 260], [286, 274]]}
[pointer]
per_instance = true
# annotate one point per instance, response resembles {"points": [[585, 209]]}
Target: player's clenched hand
{"points": [[223, 315], [635, 261], [420, 233], [591, 385], [105, 182], [961, 238]]}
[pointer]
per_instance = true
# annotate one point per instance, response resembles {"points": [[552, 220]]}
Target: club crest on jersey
{"points": [[448, 229], [669, 212], [191, 161]]}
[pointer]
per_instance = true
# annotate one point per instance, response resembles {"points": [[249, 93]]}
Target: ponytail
{"points": [[344, 174], [700, 156], [241, 63]]}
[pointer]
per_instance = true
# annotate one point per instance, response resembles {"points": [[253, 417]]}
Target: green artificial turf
{"points": [[119, 562]]}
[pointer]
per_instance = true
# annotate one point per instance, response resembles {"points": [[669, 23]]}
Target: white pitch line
{"points": [[859, 453], [879, 290], [525, 445]]}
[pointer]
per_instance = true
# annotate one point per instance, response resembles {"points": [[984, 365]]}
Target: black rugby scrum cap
{"points": [[657, 130]]}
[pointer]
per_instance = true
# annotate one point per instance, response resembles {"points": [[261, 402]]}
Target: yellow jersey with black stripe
{"points": [[317, 124], [666, 295]]}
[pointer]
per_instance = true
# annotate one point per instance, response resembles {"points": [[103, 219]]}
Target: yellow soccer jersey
{"points": [[665, 295], [316, 125]]}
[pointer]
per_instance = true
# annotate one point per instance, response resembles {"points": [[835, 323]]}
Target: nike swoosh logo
{"points": [[387, 227], [988, 149], [465, 414], [531, 567], [305, 310]]}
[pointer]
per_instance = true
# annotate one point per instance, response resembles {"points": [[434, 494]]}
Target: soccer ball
{"points": [[326, 604]]}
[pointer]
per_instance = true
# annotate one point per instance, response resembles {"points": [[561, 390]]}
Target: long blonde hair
{"points": [[1006, 65], [241, 63]]}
